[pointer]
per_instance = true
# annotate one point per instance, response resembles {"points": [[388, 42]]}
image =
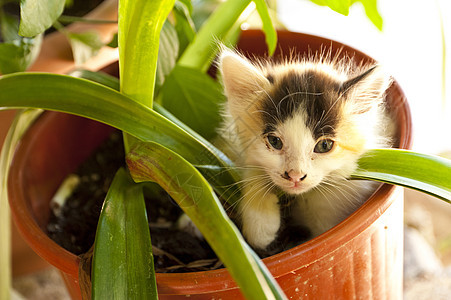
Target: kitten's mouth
{"points": [[293, 188]]}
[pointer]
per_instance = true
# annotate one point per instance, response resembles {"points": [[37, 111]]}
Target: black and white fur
{"points": [[299, 128]]}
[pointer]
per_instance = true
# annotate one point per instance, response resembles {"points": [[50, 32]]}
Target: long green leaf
{"points": [[152, 162], [95, 101], [140, 23], [200, 53], [426, 173], [268, 27], [122, 266], [38, 15]]}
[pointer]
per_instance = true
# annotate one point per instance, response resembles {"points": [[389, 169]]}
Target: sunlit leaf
{"points": [[38, 15], [140, 23], [426, 173], [122, 266], [200, 53], [268, 27], [372, 12], [340, 6], [95, 101]]}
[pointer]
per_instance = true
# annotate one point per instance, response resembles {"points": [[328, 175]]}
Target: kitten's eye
{"points": [[324, 146], [275, 142]]}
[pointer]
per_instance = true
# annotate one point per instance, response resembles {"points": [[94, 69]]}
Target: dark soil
{"points": [[73, 226]]}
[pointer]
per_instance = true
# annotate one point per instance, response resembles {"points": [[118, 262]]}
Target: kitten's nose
{"points": [[294, 176]]}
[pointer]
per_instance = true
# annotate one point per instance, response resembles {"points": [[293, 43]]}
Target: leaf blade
{"points": [[268, 27], [140, 23], [150, 161], [426, 173], [38, 15], [97, 102], [194, 98], [123, 231]]}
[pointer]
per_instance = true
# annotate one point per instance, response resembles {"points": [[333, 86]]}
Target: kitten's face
{"points": [[306, 123]]}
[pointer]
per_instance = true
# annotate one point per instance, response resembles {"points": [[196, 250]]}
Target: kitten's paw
{"points": [[261, 231]]}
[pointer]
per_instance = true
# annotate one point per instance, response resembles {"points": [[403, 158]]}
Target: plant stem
{"points": [[201, 51], [71, 19]]}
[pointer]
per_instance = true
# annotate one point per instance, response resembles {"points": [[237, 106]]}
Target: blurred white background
{"points": [[410, 46]]}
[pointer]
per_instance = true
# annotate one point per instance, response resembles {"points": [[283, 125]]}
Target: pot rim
{"points": [[278, 264]]}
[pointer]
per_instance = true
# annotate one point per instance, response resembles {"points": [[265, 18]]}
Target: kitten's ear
{"points": [[367, 89], [241, 79]]}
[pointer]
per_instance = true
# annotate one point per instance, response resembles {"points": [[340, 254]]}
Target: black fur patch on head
{"points": [[353, 81], [270, 78], [311, 91]]}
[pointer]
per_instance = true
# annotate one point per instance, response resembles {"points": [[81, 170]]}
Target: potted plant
{"points": [[169, 148]]}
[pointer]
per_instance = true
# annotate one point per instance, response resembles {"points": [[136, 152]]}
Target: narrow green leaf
{"points": [[84, 45], [268, 27], [122, 266], [95, 101], [200, 53], [194, 98], [17, 129], [372, 12], [152, 162], [140, 23], [38, 15], [426, 173], [167, 54], [113, 82]]}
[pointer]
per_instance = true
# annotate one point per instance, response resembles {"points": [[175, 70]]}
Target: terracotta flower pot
{"points": [[56, 57], [362, 257]]}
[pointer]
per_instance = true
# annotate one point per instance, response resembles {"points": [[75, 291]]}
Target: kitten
{"points": [[299, 128]]}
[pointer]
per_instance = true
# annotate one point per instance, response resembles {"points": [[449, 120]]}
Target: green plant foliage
{"points": [[84, 45], [152, 162], [268, 27], [426, 173], [372, 12], [95, 101], [184, 25], [122, 266], [200, 53], [167, 53], [193, 97], [342, 7], [140, 23], [16, 53], [38, 15]]}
